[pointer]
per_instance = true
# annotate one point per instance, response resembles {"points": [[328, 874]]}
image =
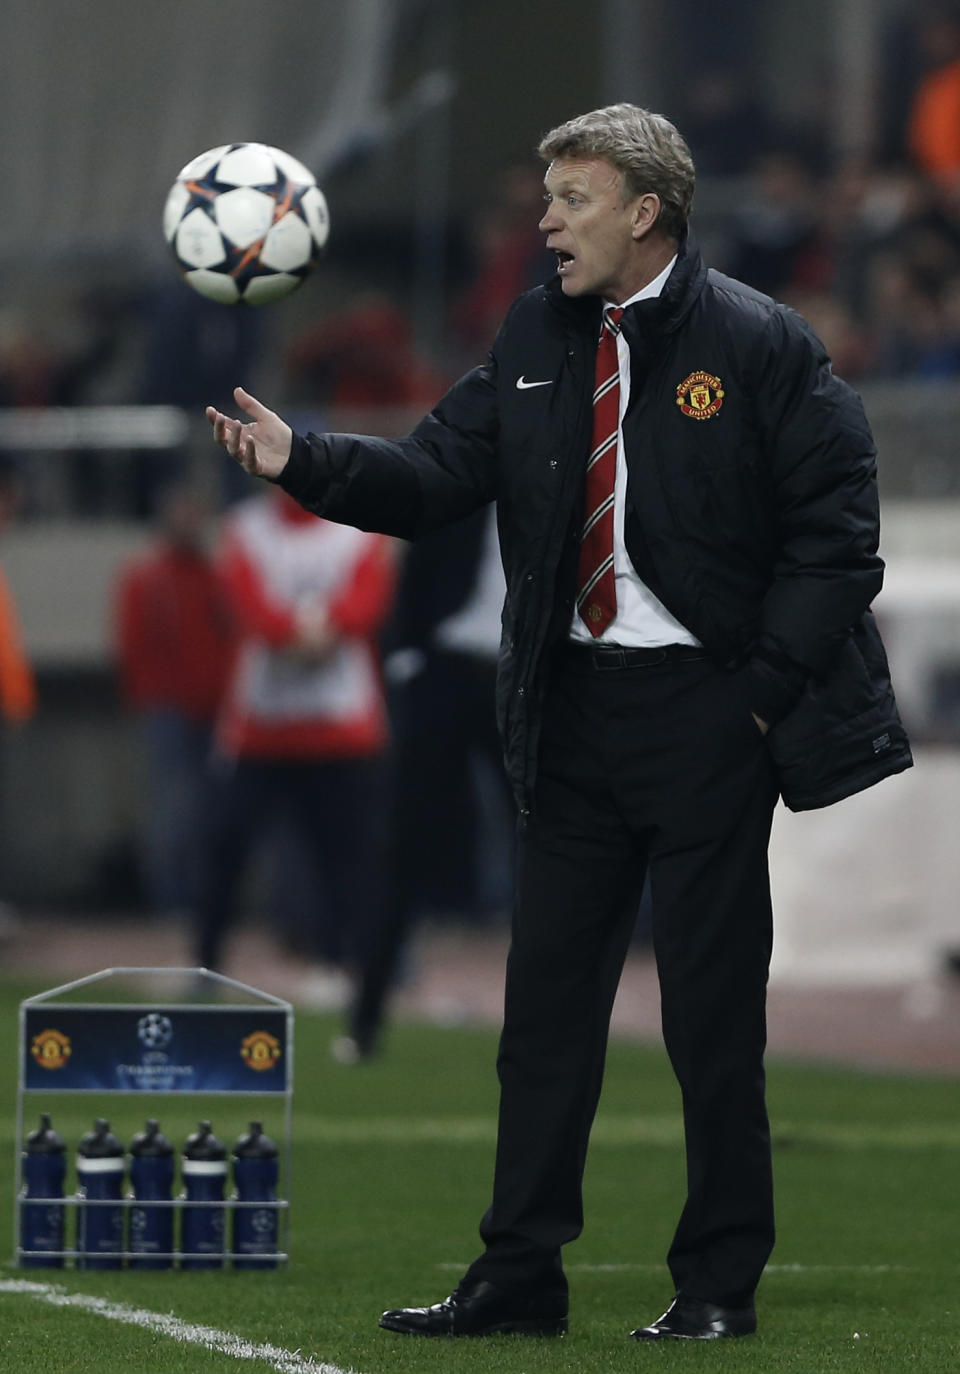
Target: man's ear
{"points": [[646, 212]]}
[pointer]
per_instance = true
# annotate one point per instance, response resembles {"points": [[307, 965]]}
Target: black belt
{"points": [[611, 657]]}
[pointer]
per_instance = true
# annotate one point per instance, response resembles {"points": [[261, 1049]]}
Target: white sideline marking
{"points": [[165, 1324], [460, 1266], [770, 1268]]}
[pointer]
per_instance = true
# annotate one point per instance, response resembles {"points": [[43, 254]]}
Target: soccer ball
{"points": [[246, 222]]}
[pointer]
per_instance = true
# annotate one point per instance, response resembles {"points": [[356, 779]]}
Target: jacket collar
{"points": [[657, 315]]}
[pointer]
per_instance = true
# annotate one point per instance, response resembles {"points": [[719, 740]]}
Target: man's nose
{"points": [[550, 221]]}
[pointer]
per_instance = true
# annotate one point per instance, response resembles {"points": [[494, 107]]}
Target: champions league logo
{"points": [[155, 1072], [154, 1031]]}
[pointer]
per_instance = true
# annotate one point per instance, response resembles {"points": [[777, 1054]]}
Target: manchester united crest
{"points": [[700, 396], [261, 1050], [51, 1049]]}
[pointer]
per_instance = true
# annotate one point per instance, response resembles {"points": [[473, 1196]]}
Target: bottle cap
{"points": [[203, 1144], [255, 1145], [151, 1143], [100, 1143], [44, 1140]]}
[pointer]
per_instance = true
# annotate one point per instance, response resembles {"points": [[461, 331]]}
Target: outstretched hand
{"points": [[262, 445]]}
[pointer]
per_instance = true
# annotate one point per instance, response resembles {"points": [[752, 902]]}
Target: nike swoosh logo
{"points": [[524, 385]]}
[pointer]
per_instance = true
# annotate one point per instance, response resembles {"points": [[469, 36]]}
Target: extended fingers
{"points": [[229, 433], [248, 456], [235, 437], [217, 421]]}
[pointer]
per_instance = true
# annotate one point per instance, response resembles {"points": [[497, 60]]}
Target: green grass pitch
{"points": [[392, 1165]]}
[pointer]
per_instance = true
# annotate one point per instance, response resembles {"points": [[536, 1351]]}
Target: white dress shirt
{"points": [[642, 620]]}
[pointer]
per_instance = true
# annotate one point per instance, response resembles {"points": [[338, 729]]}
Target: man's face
{"points": [[592, 229]]}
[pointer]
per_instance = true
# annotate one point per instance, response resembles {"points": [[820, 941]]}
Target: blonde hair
{"points": [[644, 147]]}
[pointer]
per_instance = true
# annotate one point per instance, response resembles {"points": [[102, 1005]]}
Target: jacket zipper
{"points": [[529, 678]]}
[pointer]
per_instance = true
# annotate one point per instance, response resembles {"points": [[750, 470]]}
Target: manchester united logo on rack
{"points": [[700, 396], [260, 1050], [51, 1049]]}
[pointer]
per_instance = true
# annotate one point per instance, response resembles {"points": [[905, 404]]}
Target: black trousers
{"points": [[658, 767]]}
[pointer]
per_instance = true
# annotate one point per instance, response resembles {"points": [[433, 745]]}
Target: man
{"points": [[301, 727], [18, 688], [440, 664], [174, 640], [686, 570]]}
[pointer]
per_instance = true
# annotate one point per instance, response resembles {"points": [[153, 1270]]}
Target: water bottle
{"points": [[255, 1170], [99, 1226], [204, 1174], [151, 1173], [44, 1165]]}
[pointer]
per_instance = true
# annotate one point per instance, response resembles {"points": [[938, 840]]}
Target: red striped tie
{"points": [[597, 594]]}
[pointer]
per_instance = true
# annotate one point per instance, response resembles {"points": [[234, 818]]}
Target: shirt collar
{"points": [[652, 288]]}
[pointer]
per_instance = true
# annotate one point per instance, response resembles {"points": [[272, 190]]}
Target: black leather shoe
{"points": [[481, 1309], [689, 1319]]}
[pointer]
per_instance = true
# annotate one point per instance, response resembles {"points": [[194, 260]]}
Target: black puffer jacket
{"points": [[751, 509]]}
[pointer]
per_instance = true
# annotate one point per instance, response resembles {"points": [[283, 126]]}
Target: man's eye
{"points": [[573, 200]]}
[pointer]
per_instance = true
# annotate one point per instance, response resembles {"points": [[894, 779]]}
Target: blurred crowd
{"points": [[869, 250]]}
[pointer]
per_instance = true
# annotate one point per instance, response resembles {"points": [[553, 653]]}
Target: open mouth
{"points": [[564, 260]]}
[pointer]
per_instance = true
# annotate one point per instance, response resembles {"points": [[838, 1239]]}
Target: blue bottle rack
{"points": [[228, 1041]]}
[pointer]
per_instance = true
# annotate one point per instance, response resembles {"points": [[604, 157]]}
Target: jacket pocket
{"points": [[852, 755], [845, 733], [842, 696]]}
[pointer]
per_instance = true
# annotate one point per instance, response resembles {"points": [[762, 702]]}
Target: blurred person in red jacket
{"points": [[174, 642], [302, 726], [361, 357], [18, 692], [510, 257]]}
